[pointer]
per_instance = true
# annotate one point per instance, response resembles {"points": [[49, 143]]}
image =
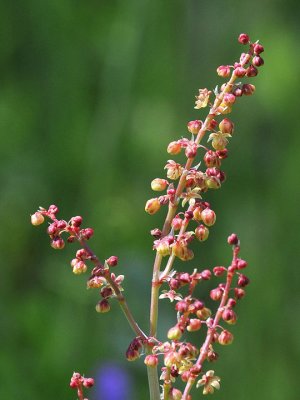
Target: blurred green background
{"points": [[91, 93]]}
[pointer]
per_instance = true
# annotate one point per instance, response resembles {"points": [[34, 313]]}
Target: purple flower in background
{"points": [[113, 383]]}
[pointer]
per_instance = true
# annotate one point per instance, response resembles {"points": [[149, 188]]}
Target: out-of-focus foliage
{"points": [[91, 93]]}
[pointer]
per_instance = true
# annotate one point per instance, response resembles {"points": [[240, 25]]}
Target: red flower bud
{"points": [[233, 239]]}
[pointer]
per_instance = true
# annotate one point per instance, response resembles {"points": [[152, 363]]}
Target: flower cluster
{"points": [[79, 382], [189, 218]]}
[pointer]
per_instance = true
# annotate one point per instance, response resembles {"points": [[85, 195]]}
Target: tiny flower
{"points": [[86, 233], [152, 206], [243, 280], [203, 98], [219, 140], [211, 159], [204, 313], [159, 185], [239, 293], [176, 223], [171, 295], [175, 394], [210, 382], [162, 246], [191, 195], [174, 170], [76, 221], [37, 219]]}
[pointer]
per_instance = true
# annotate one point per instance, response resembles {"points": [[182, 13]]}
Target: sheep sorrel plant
{"points": [[188, 218]]}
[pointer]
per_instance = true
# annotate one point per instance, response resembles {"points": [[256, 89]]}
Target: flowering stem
{"points": [[211, 331]]}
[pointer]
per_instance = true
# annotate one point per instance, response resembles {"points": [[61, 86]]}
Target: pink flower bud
{"points": [[211, 159], [237, 92], [216, 294], [57, 243], [206, 274], [159, 185], [201, 233], [229, 316], [258, 48], [175, 394], [88, 382], [243, 280], [112, 261], [156, 233], [194, 325], [229, 98], [223, 71], [86, 233], [52, 229], [76, 221], [102, 306], [251, 71], [194, 126], [240, 72], [152, 206], [257, 61], [226, 126], [37, 219], [176, 223], [218, 271], [231, 303], [233, 239], [191, 150], [208, 216], [181, 306], [53, 209], [151, 360], [174, 148], [239, 293], [225, 338], [243, 38]]}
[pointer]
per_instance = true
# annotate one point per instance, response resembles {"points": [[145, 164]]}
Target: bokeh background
{"points": [[91, 93]]}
